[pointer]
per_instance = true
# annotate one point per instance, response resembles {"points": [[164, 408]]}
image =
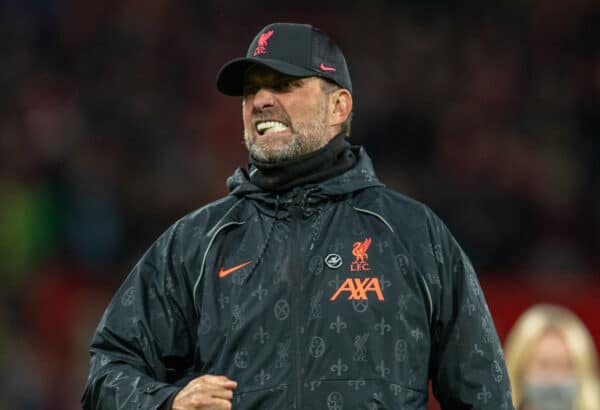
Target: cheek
{"points": [[247, 110], [302, 109]]}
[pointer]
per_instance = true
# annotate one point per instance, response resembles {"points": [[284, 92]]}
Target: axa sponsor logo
{"points": [[358, 289]]}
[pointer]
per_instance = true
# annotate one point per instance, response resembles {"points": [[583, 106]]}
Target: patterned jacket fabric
{"points": [[338, 295]]}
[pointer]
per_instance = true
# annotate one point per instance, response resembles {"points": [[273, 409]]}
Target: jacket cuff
{"points": [[168, 405], [158, 396]]}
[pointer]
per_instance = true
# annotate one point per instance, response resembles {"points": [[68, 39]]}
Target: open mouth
{"points": [[264, 127]]}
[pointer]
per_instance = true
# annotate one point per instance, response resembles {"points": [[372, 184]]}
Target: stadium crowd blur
{"points": [[111, 128]]}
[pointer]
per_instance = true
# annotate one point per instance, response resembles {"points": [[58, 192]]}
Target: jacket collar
{"points": [[359, 177], [334, 158]]}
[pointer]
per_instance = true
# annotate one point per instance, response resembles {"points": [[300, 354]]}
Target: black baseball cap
{"points": [[299, 50]]}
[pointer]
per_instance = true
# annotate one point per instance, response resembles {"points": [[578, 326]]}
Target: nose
{"points": [[264, 98]]}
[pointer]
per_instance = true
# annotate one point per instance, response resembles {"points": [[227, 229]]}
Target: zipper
{"points": [[296, 290]]}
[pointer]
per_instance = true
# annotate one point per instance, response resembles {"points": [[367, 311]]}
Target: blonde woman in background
{"points": [[552, 361]]}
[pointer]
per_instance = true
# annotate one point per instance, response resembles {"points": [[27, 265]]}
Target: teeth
{"points": [[270, 126]]}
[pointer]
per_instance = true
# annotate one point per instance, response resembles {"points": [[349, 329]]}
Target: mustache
{"points": [[271, 114]]}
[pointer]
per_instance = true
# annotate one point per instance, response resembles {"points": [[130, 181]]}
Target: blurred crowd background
{"points": [[111, 129]]}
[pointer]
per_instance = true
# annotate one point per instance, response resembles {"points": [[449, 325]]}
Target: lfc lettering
{"points": [[359, 250]]}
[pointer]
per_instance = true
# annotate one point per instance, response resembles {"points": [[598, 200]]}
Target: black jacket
{"points": [[339, 295]]}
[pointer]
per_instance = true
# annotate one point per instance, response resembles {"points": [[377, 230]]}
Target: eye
{"points": [[287, 84], [280, 86], [250, 89]]}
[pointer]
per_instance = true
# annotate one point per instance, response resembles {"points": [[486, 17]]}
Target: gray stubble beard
{"points": [[306, 138]]}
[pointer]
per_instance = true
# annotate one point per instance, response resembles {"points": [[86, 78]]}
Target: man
{"points": [[311, 285]]}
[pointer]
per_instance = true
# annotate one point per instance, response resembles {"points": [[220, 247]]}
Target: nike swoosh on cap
{"points": [[326, 68], [225, 272]]}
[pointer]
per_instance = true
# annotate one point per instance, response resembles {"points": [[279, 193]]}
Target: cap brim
{"points": [[230, 79]]}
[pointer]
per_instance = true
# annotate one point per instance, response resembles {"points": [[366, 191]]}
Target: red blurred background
{"points": [[111, 129]]}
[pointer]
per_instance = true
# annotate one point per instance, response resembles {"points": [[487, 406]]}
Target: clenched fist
{"points": [[206, 392]]}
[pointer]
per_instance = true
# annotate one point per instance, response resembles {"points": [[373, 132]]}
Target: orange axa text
{"points": [[358, 288]]}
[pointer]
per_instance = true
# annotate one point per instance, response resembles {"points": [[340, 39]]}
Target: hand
{"points": [[206, 392]]}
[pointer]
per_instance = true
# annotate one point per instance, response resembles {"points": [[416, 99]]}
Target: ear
{"points": [[340, 106]]}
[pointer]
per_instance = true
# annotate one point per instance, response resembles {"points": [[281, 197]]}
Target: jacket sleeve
{"points": [[144, 340], [467, 364]]}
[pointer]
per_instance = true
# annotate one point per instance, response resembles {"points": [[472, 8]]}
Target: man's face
{"points": [[284, 116]]}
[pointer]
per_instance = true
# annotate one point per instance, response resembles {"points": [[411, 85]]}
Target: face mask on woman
{"points": [[550, 396]]}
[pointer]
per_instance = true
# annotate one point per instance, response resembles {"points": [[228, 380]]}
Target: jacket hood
{"points": [[357, 178]]}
